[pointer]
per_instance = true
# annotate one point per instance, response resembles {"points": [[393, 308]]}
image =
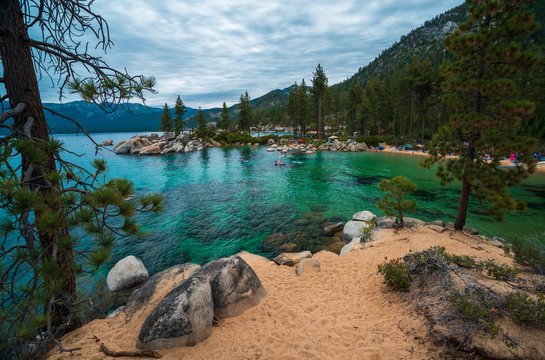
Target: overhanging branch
{"points": [[14, 112]]}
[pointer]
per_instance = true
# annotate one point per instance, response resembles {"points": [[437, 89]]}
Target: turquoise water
{"points": [[215, 206]]}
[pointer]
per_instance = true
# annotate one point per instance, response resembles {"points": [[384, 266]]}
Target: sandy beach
{"points": [[342, 312]]}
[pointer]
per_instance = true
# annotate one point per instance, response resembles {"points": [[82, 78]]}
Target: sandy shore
{"points": [[342, 312], [505, 163]]}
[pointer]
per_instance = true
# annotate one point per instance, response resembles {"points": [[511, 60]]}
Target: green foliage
{"points": [[224, 122], [179, 109], [202, 129], [464, 261], [528, 254], [396, 274], [474, 304], [244, 113], [393, 203], [500, 272], [166, 120], [487, 111], [526, 308]]}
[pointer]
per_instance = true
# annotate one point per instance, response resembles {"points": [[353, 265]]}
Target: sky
{"points": [[211, 51]]}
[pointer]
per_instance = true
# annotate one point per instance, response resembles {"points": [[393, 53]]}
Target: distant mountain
{"points": [[136, 118]]}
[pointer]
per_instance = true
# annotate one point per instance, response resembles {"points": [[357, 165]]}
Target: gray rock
{"points": [[436, 223], [169, 136], [332, 229], [291, 259], [364, 216], [127, 273], [386, 222], [412, 222], [107, 143], [470, 230], [270, 141], [145, 294], [183, 318], [439, 229], [449, 226], [350, 246], [235, 286], [116, 312], [353, 229], [307, 266], [124, 148]]}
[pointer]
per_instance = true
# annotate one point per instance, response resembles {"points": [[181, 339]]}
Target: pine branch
{"points": [[141, 353], [14, 112]]}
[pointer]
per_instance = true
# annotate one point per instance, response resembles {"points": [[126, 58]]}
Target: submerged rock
{"points": [[274, 240], [126, 273]]}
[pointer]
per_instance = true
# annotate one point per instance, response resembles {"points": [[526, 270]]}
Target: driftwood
{"points": [[140, 353]]}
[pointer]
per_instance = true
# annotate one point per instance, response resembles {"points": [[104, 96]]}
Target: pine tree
{"points": [[179, 110], [319, 87], [224, 119], [166, 120], [481, 90], [244, 114], [292, 108], [202, 130], [45, 198], [355, 95], [393, 203]]}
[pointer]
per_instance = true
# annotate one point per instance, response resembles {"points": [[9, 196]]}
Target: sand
{"points": [[342, 312]]}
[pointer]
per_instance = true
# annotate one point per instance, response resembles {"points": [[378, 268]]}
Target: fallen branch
{"points": [[140, 353]]}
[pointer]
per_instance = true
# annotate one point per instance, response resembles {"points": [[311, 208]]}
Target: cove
{"points": [[217, 206]]}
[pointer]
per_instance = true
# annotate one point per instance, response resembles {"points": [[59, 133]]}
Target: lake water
{"points": [[216, 206]]}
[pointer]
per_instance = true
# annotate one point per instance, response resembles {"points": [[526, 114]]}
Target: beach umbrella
{"points": [[409, 146]]}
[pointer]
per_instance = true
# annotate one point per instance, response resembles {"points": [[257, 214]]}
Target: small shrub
{"points": [[464, 261], [472, 304], [500, 272], [525, 253], [396, 274], [527, 309], [429, 260], [392, 203]]}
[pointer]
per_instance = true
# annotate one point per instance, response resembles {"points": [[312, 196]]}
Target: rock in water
{"points": [[291, 259], [127, 273], [364, 216], [183, 318], [107, 143], [353, 229], [307, 266], [332, 229], [151, 150], [235, 286]]}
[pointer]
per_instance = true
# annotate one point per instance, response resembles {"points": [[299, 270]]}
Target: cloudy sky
{"points": [[210, 51]]}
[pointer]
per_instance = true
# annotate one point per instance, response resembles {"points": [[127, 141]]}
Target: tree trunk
{"points": [[320, 117], [411, 118], [352, 116], [462, 206], [22, 87]]}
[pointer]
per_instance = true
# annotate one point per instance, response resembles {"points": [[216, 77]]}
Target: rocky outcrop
{"points": [[386, 222], [352, 245], [291, 259], [223, 288], [183, 318], [307, 266], [356, 229], [364, 215], [126, 273], [167, 143], [332, 229]]}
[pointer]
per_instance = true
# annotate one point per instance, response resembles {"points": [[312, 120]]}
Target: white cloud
{"points": [[210, 51]]}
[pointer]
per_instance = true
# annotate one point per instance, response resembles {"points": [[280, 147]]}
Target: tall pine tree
{"points": [[224, 119], [481, 90], [179, 110], [355, 95], [319, 88], [201, 124], [166, 120], [244, 113]]}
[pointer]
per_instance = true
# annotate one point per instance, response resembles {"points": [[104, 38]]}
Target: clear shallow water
{"points": [[215, 206]]}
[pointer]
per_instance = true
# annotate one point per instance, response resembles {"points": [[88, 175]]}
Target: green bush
{"points": [[473, 304], [464, 261], [528, 254], [396, 274], [525, 308], [500, 272]]}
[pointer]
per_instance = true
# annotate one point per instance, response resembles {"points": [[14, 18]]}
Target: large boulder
{"points": [[291, 259], [151, 150], [352, 245], [183, 318], [356, 229], [124, 147], [235, 286], [148, 295], [126, 273], [184, 138], [364, 216]]}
